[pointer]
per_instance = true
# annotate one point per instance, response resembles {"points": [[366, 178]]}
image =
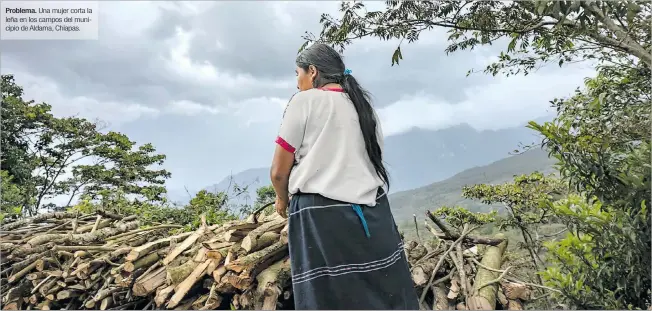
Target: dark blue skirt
{"points": [[347, 256]]}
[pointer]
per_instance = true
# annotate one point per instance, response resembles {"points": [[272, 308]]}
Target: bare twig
{"points": [[416, 228], [494, 281], [465, 231], [532, 284], [475, 261]]}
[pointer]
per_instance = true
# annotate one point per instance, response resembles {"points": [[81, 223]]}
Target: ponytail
{"points": [[368, 123], [331, 69]]}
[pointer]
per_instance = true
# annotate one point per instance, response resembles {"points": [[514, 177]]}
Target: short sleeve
{"points": [[293, 126]]}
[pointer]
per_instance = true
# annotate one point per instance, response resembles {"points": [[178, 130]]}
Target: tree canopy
{"points": [[533, 31]]}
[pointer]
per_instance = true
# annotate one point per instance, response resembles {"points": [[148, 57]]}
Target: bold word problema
{"points": [[48, 11]]}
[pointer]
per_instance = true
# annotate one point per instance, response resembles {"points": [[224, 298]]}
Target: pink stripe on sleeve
{"points": [[284, 144]]}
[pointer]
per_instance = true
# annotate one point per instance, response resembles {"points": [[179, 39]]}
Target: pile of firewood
{"points": [[452, 274], [104, 261]]}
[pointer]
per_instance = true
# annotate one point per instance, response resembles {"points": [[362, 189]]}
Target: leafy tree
{"points": [[265, 195], [12, 198], [534, 31], [212, 205], [601, 138], [120, 165], [47, 156], [21, 120], [523, 200], [63, 143], [458, 216]]}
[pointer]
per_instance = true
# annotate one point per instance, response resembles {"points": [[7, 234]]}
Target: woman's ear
{"points": [[313, 72]]}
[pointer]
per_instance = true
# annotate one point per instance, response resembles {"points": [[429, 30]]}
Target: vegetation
{"points": [[72, 160], [449, 192], [600, 136]]}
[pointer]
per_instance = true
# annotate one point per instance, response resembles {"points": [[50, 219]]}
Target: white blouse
{"points": [[321, 127]]}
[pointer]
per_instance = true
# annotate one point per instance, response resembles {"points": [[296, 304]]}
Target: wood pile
{"points": [[465, 278], [106, 262], [109, 262]]}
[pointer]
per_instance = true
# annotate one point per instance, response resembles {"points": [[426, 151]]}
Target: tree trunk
{"points": [[485, 298]]}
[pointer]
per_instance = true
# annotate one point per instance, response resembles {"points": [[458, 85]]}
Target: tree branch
{"points": [[624, 41]]}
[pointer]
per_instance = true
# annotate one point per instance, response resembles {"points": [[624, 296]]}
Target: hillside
{"points": [[448, 192], [420, 157]]}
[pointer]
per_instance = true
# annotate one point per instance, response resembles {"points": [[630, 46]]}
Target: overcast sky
{"points": [[206, 82]]}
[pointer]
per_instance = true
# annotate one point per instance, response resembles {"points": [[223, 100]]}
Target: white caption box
{"points": [[49, 20]]}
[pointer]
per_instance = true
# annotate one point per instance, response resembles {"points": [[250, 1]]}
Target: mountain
{"points": [[449, 192], [252, 179], [420, 157]]}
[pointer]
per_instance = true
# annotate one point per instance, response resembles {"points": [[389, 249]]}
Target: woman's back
{"points": [[331, 157]]}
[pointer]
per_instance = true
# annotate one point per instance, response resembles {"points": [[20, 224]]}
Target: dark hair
{"points": [[330, 69]]}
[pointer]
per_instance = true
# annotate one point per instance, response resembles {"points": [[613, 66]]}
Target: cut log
{"points": [[516, 290], [421, 271], [217, 245], [66, 294], [219, 273], [189, 241], [201, 255], [249, 242], [251, 261], [218, 255], [271, 283], [106, 303], [441, 301], [149, 283], [18, 275], [485, 297], [38, 218], [235, 235], [514, 304], [182, 289], [151, 246], [240, 282], [264, 240], [162, 294], [284, 235], [176, 275], [199, 302], [82, 238], [142, 262], [97, 225]]}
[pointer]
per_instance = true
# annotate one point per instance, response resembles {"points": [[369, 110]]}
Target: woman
{"points": [[345, 249]]}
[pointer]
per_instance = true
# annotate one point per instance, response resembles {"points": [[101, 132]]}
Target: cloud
{"points": [[43, 89], [505, 102], [206, 82], [190, 108]]}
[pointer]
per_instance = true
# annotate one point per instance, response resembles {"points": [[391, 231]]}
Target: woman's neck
{"points": [[331, 86]]}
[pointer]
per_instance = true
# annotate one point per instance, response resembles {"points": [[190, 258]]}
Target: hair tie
{"points": [[347, 72]]}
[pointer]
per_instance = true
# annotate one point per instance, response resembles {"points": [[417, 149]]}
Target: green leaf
{"points": [[601, 98], [303, 47], [397, 56], [541, 8]]}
